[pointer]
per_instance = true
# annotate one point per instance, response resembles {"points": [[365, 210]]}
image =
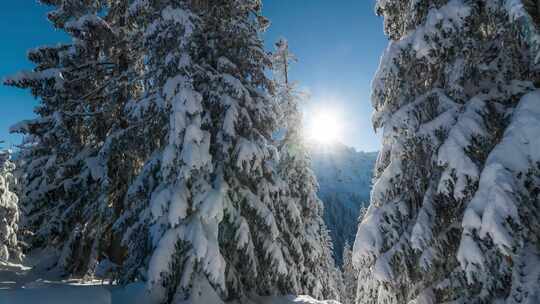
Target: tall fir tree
{"points": [[350, 276], [10, 249], [204, 218], [300, 215], [456, 183], [68, 168], [152, 155]]}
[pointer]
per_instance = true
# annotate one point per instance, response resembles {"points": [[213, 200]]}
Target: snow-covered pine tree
{"points": [[456, 183], [350, 277], [69, 174], [300, 213], [10, 251], [202, 218]]}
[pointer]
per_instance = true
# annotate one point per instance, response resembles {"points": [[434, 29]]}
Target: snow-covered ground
{"points": [[19, 285]]}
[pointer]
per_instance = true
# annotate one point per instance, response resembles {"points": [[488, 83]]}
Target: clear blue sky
{"points": [[338, 44]]}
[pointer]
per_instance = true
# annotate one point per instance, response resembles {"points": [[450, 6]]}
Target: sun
{"points": [[324, 126]]}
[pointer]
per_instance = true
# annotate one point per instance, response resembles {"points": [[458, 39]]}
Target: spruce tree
{"points": [[204, 218], [301, 210], [10, 250], [350, 276], [152, 154], [68, 169], [456, 183]]}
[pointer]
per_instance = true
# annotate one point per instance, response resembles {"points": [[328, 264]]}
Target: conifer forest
{"points": [[169, 153]]}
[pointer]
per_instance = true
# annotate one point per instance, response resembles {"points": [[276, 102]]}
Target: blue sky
{"points": [[338, 47], [24, 26]]}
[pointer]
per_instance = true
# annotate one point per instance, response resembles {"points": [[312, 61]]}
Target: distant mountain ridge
{"points": [[344, 175]]}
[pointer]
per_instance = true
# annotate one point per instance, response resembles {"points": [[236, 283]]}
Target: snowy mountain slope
{"points": [[344, 177]]}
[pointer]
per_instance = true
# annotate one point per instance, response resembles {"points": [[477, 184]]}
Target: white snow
{"points": [[527, 26], [231, 117], [382, 270], [452, 152], [422, 233], [196, 150], [262, 211], [527, 278], [179, 204], [470, 257], [178, 16], [159, 202], [86, 21], [34, 76], [242, 234], [290, 300], [235, 84], [57, 294], [9, 210], [212, 205], [451, 16], [425, 297], [369, 240], [19, 285], [96, 169], [516, 8], [159, 262], [495, 202], [248, 155]]}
